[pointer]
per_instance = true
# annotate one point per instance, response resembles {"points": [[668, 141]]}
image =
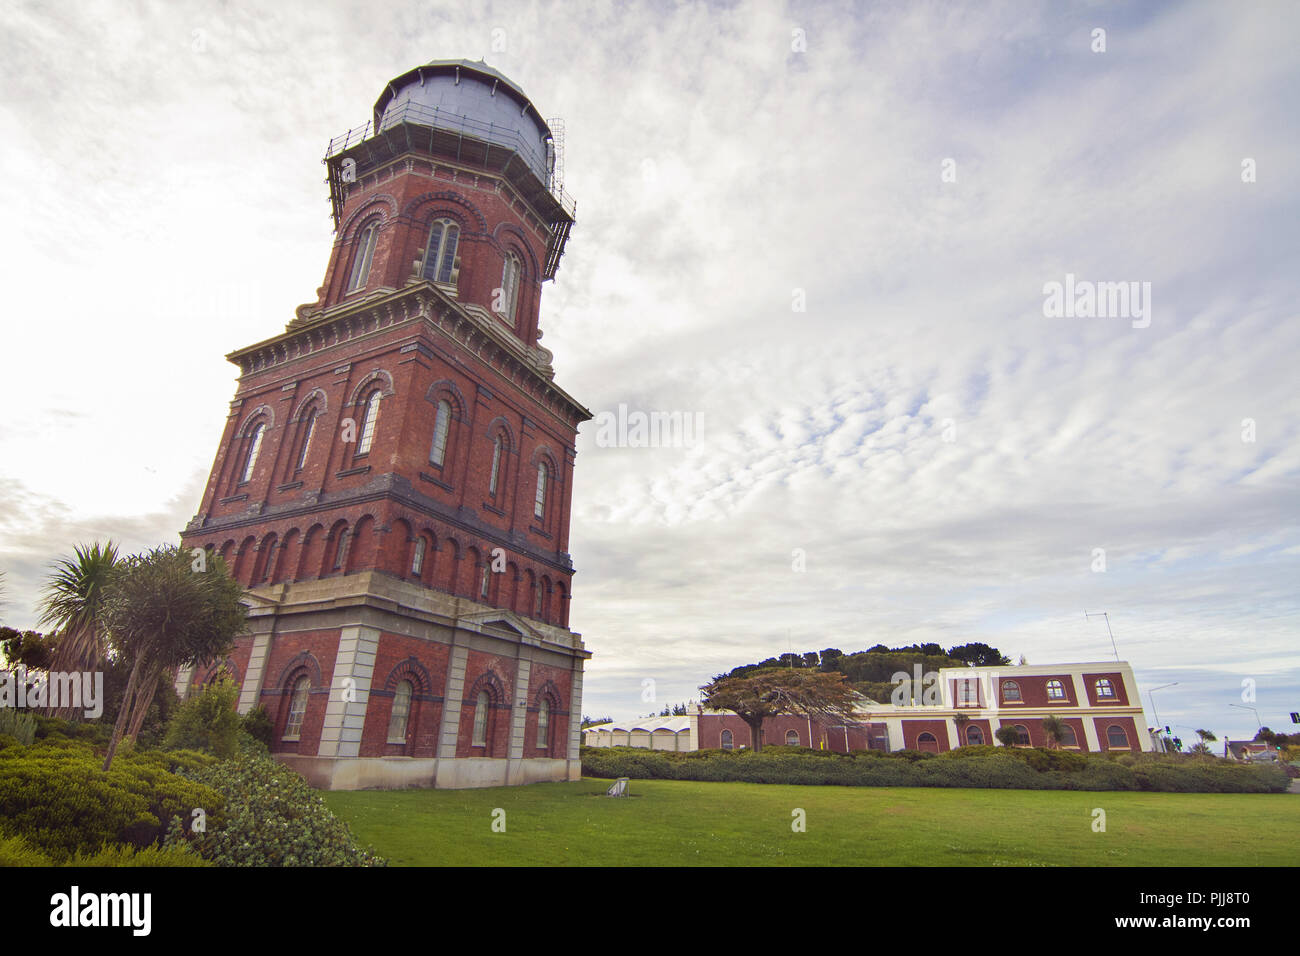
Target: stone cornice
{"points": [[471, 327]]}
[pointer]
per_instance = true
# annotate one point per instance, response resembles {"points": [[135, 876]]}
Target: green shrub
{"points": [[17, 724], [15, 850], [117, 855], [258, 725], [207, 721], [271, 818], [59, 799]]}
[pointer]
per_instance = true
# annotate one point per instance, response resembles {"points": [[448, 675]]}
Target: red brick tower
{"points": [[395, 477]]}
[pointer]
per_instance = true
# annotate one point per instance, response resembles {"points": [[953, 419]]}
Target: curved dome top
{"points": [[474, 97]]}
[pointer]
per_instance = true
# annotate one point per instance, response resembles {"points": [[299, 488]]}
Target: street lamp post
{"points": [[1106, 615], [1258, 720]]}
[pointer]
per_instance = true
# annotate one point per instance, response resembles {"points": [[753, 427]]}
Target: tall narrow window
{"points": [[483, 581], [726, 740], [308, 426], [297, 709], [543, 724], [481, 719], [440, 251], [539, 503], [510, 286], [417, 563], [254, 448], [441, 425], [537, 600], [365, 251], [341, 553], [369, 422], [269, 568], [401, 710], [496, 466]]}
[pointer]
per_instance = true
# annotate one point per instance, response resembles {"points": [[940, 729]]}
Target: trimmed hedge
{"points": [[58, 798], [1020, 768]]}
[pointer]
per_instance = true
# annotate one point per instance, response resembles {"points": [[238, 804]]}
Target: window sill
{"points": [[290, 486], [352, 471], [425, 476], [233, 498], [537, 530], [494, 509]]}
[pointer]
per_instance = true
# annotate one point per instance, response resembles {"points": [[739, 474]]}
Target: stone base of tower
{"points": [[374, 682], [398, 773]]}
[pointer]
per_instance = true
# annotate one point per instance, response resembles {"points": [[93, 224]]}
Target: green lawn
{"points": [[675, 823]]}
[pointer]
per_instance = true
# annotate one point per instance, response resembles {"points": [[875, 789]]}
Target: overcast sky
{"points": [[943, 456]]}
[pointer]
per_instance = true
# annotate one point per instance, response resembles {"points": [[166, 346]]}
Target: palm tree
{"points": [[961, 720], [74, 605], [1054, 727]]}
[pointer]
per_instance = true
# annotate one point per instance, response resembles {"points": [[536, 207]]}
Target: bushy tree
{"points": [[208, 721], [821, 696], [1007, 736]]}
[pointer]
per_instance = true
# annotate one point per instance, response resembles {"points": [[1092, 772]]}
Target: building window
{"points": [[974, 736], [1105, 689], [928, 743], [1022, 735], [1068, 737], [417, 562], [481, 719], [297, 709], [968, 693], [792, 738], [369, 422], [1010, 691], [539, 501], [440, 252], [496, 466], [361, 262], [269, 568], [1055, 690], [543, 724], [727, 743], [537, 600], [1116, 738], [510, 286], [441, 425], [341, 552], [401, 710], [306, 429], [483, 581], [254, 449]]}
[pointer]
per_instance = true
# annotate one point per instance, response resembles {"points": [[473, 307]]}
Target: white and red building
{"points": [[942, 710]]}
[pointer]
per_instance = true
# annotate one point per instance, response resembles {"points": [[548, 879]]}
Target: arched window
{"points": [[496, 466], [481, 719], [1068, 737], [1105, 689], [537, 599], [417, 562], [927, 742], [306, 429], [510, 273], [341, 550], [361, 261], [539, 501], [543, 724], [1055, 690], [369, 422], [484, 579], [254, 449], [401, 710], [792, 738], [268, 567], [1116, 738], [974, 736], [1022, 735], [440, 251], [297, 708], [727, 743], [1010, 691], [441, 425]]}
